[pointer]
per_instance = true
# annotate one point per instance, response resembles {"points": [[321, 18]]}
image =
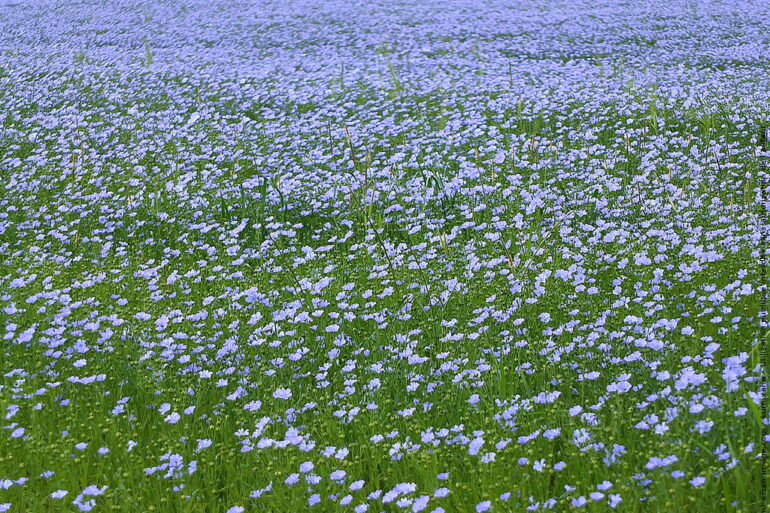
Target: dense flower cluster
{"points": [[382, 256]]}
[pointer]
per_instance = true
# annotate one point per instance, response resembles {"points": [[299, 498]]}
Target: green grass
{"points": [[368, 237]]}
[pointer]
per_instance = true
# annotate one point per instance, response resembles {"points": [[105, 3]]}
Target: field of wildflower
{"points": [[383, 256]]}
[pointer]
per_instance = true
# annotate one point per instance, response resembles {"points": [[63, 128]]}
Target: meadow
{"points": [[385, 256]]}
